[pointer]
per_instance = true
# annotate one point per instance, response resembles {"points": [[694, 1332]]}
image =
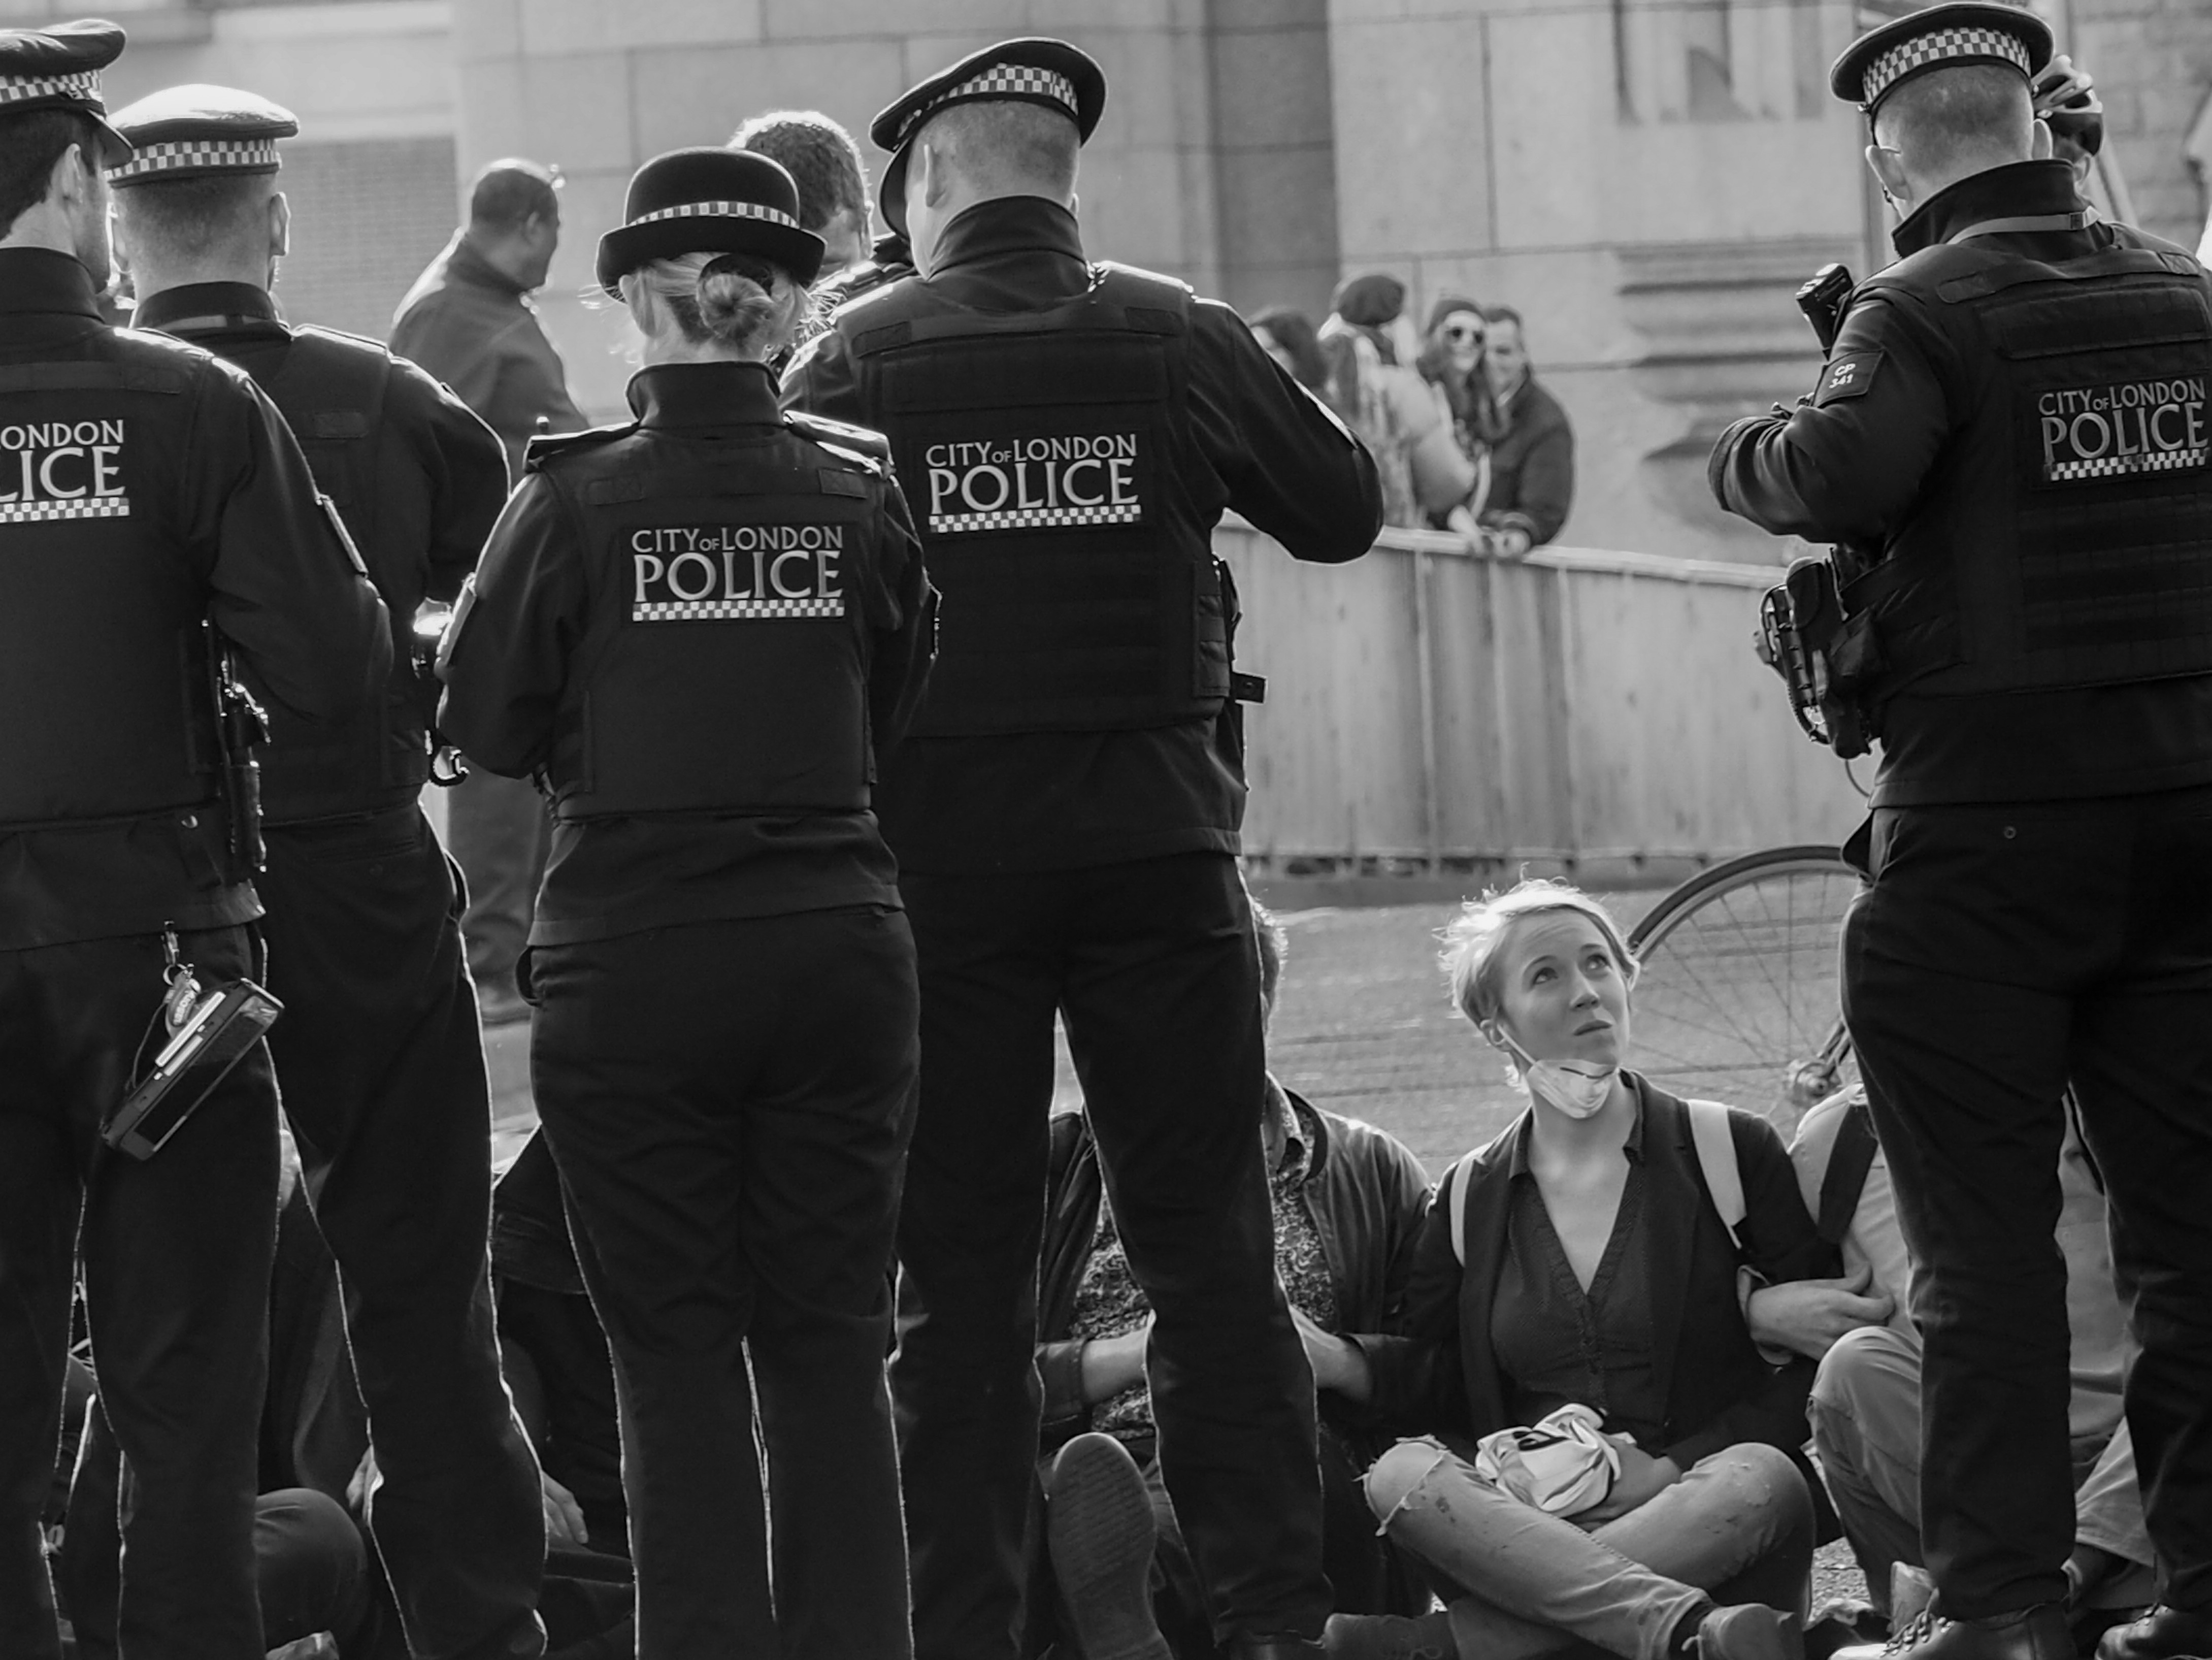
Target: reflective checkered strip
{"points": [[83, 85], [1935, 47], [94, 506], [1111, 512], [2109, 466], [1002, 80], [196, 153], [687, 611], [717, 210]]}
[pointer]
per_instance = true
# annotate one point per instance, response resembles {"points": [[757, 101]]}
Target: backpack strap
{"points": [[1715, 1145], [1458, 1183], [1848, 1160]]}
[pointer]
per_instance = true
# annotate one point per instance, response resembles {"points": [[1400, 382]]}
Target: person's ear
{"points": [[280, 226], [2041, 145], [1489, 1030], [1888, 169], [936, 176]]}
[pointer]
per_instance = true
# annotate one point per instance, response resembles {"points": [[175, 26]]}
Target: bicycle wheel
{"points": [[1739, 999]]}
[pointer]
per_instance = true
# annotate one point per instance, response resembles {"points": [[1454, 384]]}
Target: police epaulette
{"points": [[546, 445], [871, 450]]}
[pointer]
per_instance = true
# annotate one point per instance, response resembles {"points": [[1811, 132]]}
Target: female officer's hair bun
{"points": [[740, 301]]}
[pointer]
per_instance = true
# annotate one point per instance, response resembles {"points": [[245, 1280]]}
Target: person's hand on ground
{"points": [[1641, 1479], [564, 1517], [1337, 1363], [1111, 1365], [1806, 1316]]}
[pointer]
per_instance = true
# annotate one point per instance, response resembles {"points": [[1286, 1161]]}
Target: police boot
{"points": [[1389, 1637], [2038, 1633], [2162, 1633], [1098, 1524]]}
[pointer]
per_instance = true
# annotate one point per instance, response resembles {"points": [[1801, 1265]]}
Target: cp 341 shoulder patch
{"points": [[1849, 375]]}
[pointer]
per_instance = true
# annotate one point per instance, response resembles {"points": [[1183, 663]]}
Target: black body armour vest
{"points": [[2066, 537], [723, 668], [1044, 455], [330, 388], [97, 595]]}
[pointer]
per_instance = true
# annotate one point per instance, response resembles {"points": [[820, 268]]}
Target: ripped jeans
{"points": [[1737, 1527]]}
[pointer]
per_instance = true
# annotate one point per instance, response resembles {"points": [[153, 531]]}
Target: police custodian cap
{"points": [[1051, 74], [57, 68], [197, 131], [709, 200], [1939, 38]]}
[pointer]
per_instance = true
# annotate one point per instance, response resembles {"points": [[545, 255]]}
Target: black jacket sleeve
{"points": [[1848, 462], [290, 593], [506, 657], [1416, 1367], [821, 382], [1290, 465], [906, 639], [466, 466]]}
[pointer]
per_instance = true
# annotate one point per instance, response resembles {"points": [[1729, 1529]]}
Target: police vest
{"points": [[330, 388], [1044, 455], [103, 649], [2066, 537], [723, 667]]}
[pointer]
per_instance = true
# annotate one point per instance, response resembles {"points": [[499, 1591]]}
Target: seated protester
{"points": [[311, 1562], [1589, 1256], [1532, 466], [1348, 1202], [1866, 1398]]}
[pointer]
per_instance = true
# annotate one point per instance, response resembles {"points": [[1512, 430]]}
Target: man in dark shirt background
{"points": [[468, 320]]}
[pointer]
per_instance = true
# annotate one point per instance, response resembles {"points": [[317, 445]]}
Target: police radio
{"points": [[432, 618], [241, 727], [1825, 656]]}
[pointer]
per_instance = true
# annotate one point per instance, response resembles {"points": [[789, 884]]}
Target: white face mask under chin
{"points": [[1579, 1089]]}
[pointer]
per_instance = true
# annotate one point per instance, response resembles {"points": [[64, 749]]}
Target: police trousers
{"points": [[1997, 953], [175, 1254], [729, 1102], [1153, 967], [381, 1061]]}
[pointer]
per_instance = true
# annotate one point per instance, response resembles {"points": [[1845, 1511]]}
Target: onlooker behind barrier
{"points": [[468, 321], [1288, 335], [825, 164], [1589, 1258], [1866, 1398], [1348, 1204], [1385, 403], [1452, 363], [1532, 466]]}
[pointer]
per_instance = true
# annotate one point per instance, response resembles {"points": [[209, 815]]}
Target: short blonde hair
{"points": [[1475, 938]]}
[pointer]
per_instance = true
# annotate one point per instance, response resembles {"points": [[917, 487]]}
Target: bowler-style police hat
{"points": [[57, 68], [1943, 37], [709, 200], [1049, 73], [200, 132]]}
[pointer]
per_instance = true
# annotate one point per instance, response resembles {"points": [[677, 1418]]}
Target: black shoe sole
{"points": [[1099, 1527]]}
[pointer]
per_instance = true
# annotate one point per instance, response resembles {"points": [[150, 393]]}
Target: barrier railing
{"points": [[1440, 705]]}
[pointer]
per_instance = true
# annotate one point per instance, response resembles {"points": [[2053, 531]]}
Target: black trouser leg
{"points": [[175, 1254], [727, 1103], [1163, 1022], [2142, 1066], [381, 1064], [964, 1379], [1998, 952]]}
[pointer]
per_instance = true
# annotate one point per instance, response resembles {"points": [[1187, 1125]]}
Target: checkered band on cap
{"points": [[718, 210], [16, 89], [1937, 46], [199, 155], [1001, 81]]}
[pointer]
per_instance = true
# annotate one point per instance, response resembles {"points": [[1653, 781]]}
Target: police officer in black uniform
{"points": [[2013, 441], [147, 491], [700, 630], [1065, 821], [380, 1056]]}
